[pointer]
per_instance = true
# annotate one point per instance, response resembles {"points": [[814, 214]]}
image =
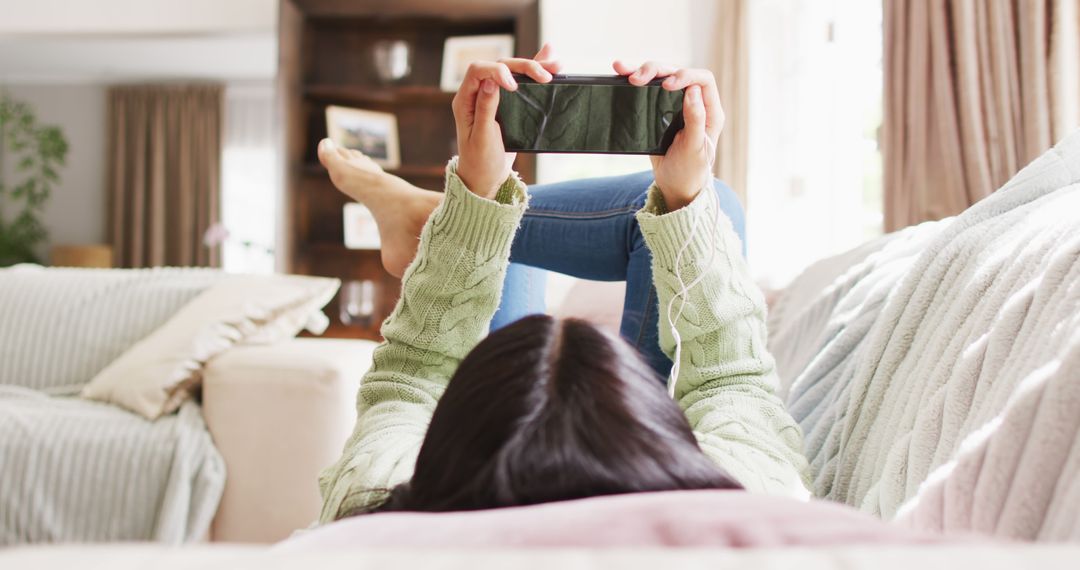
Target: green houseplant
{"points": [[35, 152]]}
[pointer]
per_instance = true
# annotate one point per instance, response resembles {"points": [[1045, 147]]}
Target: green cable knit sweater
{"points": [[451, 290]]}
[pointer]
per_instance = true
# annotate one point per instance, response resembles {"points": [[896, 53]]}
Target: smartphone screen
{"points": [[589, 114]]}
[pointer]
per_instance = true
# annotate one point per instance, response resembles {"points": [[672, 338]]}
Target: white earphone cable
{"points": [[684, 288]]}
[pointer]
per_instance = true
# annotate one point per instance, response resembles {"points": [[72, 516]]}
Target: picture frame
{"points": [[460, 51], [371, 132], [361, 231]]}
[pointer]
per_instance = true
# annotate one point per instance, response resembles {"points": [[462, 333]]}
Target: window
{"points": [[814, 184], [250, 180]]}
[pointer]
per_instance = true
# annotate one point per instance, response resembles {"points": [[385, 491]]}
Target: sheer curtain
{"points": [[724, 49], [815, 106], [251, 186]]}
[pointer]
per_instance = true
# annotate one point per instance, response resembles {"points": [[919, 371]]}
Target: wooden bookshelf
{"points": [[326, 58]]}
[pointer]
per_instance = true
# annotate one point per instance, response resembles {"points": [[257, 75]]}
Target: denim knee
{"points": [[729, 203], [732, 208]]}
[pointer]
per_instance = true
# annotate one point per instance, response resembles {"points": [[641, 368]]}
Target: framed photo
{"points": [[370, 132], [361, 232], [460, 51]]}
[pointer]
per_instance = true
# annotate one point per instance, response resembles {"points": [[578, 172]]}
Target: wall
{"points": [[589, 35], [703, 26], [48, 58], [137, 16], [76, 212], [60, 55]]}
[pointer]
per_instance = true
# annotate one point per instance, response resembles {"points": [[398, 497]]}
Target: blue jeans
{"points": [[587, 229]]}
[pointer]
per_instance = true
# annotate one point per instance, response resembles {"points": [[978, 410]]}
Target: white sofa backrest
{"points": [[61, 326]]}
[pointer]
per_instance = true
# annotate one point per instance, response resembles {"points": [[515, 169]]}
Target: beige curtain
{"points": [[974, 90], [164, 151], [730, 63]]}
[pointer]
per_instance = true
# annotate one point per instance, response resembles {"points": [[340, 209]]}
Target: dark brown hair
{"points": [[550, 410]]}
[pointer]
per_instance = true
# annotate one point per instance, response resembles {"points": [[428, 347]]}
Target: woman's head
{"points": [[547, 410]]}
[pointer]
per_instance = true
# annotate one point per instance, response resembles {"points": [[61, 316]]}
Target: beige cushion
{"points": [[159, 372]]}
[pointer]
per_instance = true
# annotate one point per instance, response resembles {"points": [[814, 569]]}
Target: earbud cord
{"points": [[684, 288]]}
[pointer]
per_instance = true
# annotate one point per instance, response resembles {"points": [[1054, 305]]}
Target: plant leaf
{"points": [[36, 151]]}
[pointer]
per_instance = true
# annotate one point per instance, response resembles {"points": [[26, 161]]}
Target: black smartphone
{"points": [[601, 114]]}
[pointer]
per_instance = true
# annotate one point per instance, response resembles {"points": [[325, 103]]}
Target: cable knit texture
{"points": [[451, 291], [448, 295], [727, 378]]}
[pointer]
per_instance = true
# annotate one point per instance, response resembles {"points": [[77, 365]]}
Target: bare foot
{"points": [[400, 209]]}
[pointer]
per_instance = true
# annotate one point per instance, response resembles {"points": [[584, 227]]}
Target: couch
{"points": [[236, 557], [238, 463], [933, 372]]}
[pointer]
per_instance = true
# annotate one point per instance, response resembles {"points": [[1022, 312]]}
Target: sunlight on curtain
{"points": [[814, 181], [250, 180]]}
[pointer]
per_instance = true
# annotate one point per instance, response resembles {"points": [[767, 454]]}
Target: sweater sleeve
{"points": [[727, 377], [448, 296]]}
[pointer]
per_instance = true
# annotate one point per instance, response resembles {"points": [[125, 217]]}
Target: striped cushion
{"points": [[60, 327]]}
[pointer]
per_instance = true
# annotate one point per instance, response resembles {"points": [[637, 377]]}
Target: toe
{"points": [[336, 165], [326, 152]]}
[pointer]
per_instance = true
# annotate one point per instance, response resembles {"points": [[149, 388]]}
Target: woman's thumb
{"points": [[487, 101], [694, 111]]}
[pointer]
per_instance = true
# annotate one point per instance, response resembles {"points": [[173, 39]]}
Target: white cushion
{"points": [[156, 375]]}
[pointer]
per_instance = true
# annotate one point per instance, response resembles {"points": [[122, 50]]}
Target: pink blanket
{"points": [[679, 518]]}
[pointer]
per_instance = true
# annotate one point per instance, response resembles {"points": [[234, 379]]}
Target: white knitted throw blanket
{"points": [[937, 379]]}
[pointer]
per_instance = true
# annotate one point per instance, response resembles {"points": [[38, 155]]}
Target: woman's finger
{"points": [[685, 77], [546, 53], [547, 58], [529, 67], [623, 68], [643, 74], [694, 113], [553, 66], [651, 70], [487, 101], [464, 103], [659, 69], [481, 70]]}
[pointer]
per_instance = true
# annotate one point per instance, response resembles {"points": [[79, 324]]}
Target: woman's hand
{"points": [[483, 163], [684, 170]]}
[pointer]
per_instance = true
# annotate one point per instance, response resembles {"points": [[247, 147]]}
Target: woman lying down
{"points": [[453, 418]]}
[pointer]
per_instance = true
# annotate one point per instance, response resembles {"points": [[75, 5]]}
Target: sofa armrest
{"points": [[279, 414]]}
